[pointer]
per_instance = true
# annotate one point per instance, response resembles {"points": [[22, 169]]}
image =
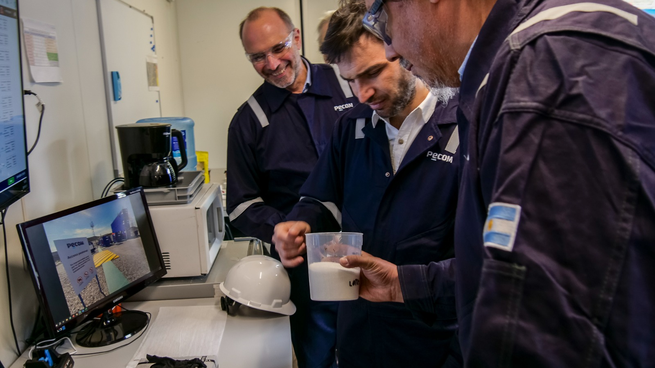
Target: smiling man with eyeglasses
{"points": [[274, 141], [279, 65]]}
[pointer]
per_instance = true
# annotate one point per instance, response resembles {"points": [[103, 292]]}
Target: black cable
{"points": [[302, 29], [37, 329], [228, 233], [105, 191], [41, 107], [3, 212]]}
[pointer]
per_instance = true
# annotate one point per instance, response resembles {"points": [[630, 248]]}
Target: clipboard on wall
{"points": [[129, 55]]}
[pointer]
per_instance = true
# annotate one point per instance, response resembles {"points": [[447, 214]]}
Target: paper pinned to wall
{"points": [[153, 72], [40, 41], [183, 332]]}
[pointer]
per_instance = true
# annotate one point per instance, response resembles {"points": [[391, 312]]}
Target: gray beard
{"points": [[440, 90], [444, 94]]}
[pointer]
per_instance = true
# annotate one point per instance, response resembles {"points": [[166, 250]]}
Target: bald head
{"points": [[269, 13]]}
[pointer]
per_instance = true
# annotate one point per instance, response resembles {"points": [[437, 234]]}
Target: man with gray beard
{"points": [[554, 232], [390, 171]]}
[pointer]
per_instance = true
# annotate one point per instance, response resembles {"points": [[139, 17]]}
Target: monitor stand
{"points": [[111, 328]]}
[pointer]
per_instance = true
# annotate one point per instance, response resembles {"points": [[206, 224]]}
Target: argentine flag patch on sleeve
{"points": [[501, 226]]}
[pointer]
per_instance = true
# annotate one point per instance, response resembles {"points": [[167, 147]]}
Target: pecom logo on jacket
{"points": [[343, 107], [436, 156]]}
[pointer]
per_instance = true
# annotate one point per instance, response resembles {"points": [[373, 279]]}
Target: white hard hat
{"points": [[260, 282]]}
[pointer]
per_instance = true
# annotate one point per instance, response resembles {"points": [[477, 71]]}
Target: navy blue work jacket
{"points": [[406, 218], [560, 118], [269, 157]]}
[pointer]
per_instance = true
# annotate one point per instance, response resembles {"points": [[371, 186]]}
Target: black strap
{"points": [[166, 362]]}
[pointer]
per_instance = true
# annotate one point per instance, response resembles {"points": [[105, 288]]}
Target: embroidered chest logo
{"points": [[343, 107], [436, 156], [451, 147]]}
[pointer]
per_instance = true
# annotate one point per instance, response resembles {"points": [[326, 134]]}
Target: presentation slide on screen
{"points": [[96, 252]]}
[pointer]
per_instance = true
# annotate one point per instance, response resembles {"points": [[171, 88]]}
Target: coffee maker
{"points": [[146, 154]]}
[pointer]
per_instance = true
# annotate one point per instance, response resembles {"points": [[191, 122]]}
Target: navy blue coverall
{"points": [[555, 229], [406, 218], [274, 141]]}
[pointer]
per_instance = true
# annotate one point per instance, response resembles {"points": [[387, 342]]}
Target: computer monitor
{"points": [[87, 259], [14, 181]]}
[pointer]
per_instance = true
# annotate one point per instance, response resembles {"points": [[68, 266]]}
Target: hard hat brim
{"points": [[287, 309]]}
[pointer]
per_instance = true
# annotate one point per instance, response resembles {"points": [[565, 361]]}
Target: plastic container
{"points": [[328, 280], [184, 125], [203, 163]]}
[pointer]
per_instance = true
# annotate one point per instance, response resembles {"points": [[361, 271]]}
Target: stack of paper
{"points": [[183, 332]]}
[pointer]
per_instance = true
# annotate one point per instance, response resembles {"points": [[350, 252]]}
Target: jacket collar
{"points": [[497, 27], [317, 84]]}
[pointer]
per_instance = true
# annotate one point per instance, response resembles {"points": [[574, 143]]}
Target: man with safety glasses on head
{"points": [[555, 225], [274, 141]]}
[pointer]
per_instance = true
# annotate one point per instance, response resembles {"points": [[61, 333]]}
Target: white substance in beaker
{"points": [[330, 281]]}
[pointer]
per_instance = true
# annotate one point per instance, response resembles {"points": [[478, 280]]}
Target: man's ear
{"points": [[296, 35]]}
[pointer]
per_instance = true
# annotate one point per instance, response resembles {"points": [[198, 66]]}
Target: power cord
{"points": [[112, 182], [38, 328], [3, 213], [41, 107], [52, 343]]}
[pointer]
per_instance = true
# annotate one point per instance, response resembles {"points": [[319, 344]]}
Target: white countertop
{"points": [[252, 338]]}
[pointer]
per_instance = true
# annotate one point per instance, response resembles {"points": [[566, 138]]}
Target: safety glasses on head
{"points": [[277, 50], [375, 20]]}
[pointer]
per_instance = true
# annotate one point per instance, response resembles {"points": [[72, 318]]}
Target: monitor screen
{"points": [[86, 259], [14, 182]]}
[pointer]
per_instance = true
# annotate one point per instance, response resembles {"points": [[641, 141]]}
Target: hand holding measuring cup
{"points": [[328, 280]]}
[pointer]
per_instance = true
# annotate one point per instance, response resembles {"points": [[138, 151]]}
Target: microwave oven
{"points": [[190, 234]]}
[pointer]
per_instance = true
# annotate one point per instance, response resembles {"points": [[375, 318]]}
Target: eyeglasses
{"points": [[277, 51], [375, 20]]}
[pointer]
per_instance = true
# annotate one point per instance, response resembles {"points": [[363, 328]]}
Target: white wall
{"points": [[72, 161], [313, 11], [168, 53]]}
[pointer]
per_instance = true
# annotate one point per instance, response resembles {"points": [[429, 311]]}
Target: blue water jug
{"points": [[184, 125]]}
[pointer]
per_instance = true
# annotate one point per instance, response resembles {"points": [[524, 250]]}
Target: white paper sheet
{"points": [[41, 49], [183, 332]]}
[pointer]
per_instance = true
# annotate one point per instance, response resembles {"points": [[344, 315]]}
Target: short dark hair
{"points": [[256, 13], [345, 30]]}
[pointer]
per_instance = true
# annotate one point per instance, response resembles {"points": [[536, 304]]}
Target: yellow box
{"points": [[203, 163]]}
